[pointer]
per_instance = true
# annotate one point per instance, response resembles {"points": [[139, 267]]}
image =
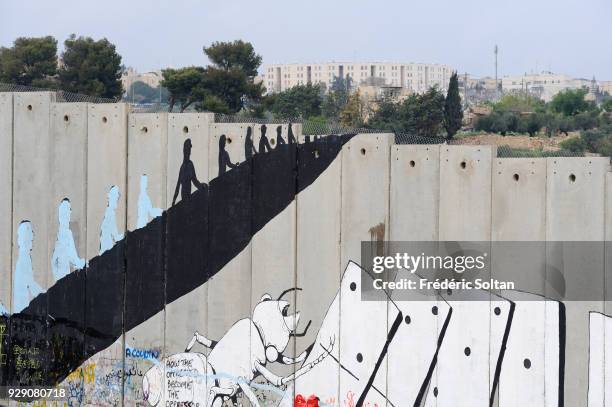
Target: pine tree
{"points": [[453, 113]]}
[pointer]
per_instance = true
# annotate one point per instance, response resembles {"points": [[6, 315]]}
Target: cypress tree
{"points": [[453, 113]]}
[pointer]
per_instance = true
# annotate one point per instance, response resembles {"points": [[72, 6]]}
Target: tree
{"points": [[453, 112], [234, 55], [570, 102], [427, 112], [231, 78], [30, 61], [299, 101], [185, 86], [519, 103], [91, 67], [337, 97], [353, 112], [386, 117]]}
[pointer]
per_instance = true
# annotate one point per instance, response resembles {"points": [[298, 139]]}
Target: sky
{"points": [[573, 37]]}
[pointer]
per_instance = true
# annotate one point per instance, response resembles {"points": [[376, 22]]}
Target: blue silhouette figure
{"points": [[146, 210], [65, 253], [224, 158], [25, 288], [109, 233]]}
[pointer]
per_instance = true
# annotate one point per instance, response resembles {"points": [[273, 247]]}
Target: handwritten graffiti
{"points": [[142, 353]]}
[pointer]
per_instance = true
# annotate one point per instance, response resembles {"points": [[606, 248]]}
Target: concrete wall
{"points": [[120, 170]]}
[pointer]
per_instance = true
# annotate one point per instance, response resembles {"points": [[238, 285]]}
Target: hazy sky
{"points": [[565, 36]]}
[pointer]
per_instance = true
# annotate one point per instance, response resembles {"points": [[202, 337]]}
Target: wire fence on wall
{"points": [[309, 127]]}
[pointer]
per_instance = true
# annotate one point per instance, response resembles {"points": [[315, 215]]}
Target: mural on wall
{"points": [[65, 256], [25, 287], [146, 211], [80, 332], [242, 354], [187, 175], [109, 232], [80, 325]]}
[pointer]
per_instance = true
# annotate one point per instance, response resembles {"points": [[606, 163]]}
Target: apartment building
{"points": [[416, 77], [545, 85]]}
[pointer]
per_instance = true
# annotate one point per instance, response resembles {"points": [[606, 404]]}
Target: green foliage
{"points": [[353, 112], [387, 117], [570, 102], [336, 98], [426, 111], [422, 114], [519, 103], [607, 105], [91, 67], [300, 101], [237, 55], [594, 141], [453, 112], [30, 61], [185, 86]]}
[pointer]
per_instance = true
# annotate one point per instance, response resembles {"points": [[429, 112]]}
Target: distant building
{"points": [[130, 75], [606, 87], [544, 85], [415, 77]]}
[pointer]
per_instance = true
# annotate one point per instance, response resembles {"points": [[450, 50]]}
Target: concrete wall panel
{"points": [[465, 192], [575, 212], [107, 126], [147, 161], [319, 269], [6, 204]]}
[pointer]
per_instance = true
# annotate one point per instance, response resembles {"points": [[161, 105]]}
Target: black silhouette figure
{"points": [[290, 135], [249, 148], [224, 158], [187, 175], [264, 144], [279, 136]]}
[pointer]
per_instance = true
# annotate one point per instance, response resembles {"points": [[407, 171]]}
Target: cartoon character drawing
{"points": [[109, 234], [25, 288], [65, 253], [146, 210], [241, 355]]}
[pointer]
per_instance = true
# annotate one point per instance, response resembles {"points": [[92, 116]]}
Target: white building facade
{"points": [[416, 77], [545, 85]]}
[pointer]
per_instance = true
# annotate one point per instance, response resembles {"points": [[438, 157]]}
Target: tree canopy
{"points": [[91, 67], [570, 102], [299, 101], [30, 61]]}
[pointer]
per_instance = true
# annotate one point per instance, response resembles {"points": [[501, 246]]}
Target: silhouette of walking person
{"points": [[224, 158], [279, 136], [109, 233], [65, 253], [290, 135], [249, 147], [187, 175], [264, 143], [146, 210], [25, 288]]}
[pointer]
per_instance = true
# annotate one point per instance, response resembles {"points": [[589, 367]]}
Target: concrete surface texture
{"points": [[166, 259]]}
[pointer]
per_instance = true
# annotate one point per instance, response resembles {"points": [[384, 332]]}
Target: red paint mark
{"points": [[351, 402], [300, 401]]}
